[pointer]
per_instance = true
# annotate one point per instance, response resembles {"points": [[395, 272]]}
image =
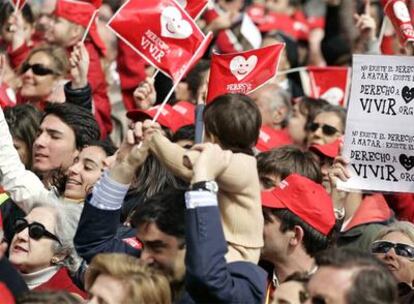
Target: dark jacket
{"points": [[209, 278], [100, 231], [81, 97]]}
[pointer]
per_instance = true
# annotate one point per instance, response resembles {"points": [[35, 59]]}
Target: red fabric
{"points": [[270, 138], [329, 150], [387, 45], [373, 208], [97, 81], [316, 22], [330, 83], [306, 199], [6, 296], [18, 56], [397, 12], [61, 281], [194, 8], [80, 12], [187, 110], [131, 69], [402, 204], [162, 32], [242, 72]]}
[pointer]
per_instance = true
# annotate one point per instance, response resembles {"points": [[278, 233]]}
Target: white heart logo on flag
{"points": [[401, 11], [334, 95], [183, 3], [173, 25], [240, 67]]}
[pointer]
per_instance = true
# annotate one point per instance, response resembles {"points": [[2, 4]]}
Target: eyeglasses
{"points": [[36, 230], [326, 129], [403, 250], [37, 69]]}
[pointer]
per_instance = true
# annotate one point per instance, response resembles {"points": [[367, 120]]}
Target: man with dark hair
{"points": [[64, 129], [277, 164], [348, 276], [299, 220]]}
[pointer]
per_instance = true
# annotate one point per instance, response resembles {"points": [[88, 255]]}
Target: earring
{"points": [[54, 260]]}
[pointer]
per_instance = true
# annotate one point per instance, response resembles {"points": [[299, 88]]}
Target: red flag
{"points": [[329, 83], [193, 7], [242, 72], [161, 32], [397, 12]]}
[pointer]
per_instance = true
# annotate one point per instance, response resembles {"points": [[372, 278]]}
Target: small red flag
{"points": [[243, 72], [161, 32], [329, 83], [193, 7]]}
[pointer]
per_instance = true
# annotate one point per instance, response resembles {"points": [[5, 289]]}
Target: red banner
{"points": [[243, 72], [193, 7], [161, 32], [329, 83]]}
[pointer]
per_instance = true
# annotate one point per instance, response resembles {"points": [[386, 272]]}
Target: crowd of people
{"points": [[101, 204]]}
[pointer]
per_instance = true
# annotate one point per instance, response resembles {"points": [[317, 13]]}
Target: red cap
{"points": [[329, 150], [187, 110], [168, 117], [306, 199], [270, 138], [80, 12]]}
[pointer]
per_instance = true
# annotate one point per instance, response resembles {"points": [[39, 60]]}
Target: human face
{"points": [[38, 87], [45, 19], [269, 181], [60, 32], [276, 242], [330, 284], [319, 137], [23, 150], [107, 290], [85, 172], [296, 125], [29, 255], [162, 251], [288, 293], [55, 146], [401, 267]]}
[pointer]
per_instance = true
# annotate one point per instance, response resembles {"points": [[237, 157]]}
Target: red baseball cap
{"points": [[306, 199], [80, 12], [187, 110], [270, 138], [168, 117], [329, 150]]}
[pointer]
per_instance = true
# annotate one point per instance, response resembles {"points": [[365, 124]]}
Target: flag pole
{"points": [[89, 26], [197, 52]]}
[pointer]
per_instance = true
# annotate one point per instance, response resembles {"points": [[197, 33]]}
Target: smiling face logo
{"points": [[401, 11], [240, 67], [173, 25]]}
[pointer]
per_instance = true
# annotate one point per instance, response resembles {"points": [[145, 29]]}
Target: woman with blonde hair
{"points": [[120, 279]]}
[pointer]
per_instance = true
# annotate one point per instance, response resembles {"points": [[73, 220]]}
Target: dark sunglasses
{"points": [[36, 230], [403, 250], [37, 69], [326, 129]]}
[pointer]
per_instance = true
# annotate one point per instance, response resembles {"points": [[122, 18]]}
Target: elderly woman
{"points": [[326, 126], [394, 245], [42, 248]]}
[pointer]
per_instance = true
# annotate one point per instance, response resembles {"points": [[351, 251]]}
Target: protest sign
{"points": [[243, 72], [161, 32], [379, 136]]}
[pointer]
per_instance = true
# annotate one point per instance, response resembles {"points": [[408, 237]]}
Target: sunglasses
{"points": [[403, 250], [36, 230], [37, 69], [326, 129]]}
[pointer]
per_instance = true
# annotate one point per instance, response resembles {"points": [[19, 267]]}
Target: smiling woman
{"points": [[42, 72]]}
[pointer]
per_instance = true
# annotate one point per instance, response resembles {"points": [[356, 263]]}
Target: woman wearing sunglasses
{"points": [[327, 126], [42, 74], [42, 248], [395, 247]]}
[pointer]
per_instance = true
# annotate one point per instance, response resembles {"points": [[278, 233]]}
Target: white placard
{"points": [[379, 136], [250, 31]]}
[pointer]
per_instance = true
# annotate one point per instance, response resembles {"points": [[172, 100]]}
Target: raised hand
{"points": [[145, 94], [79, 66]]}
